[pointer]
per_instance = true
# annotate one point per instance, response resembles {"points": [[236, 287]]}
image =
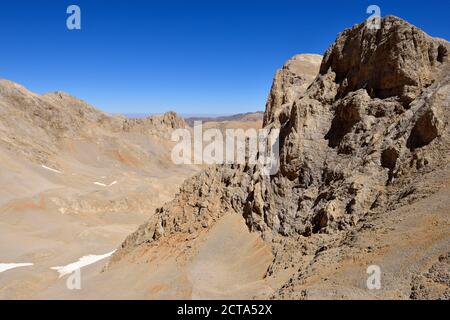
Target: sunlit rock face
{"points": [[356, 136]]}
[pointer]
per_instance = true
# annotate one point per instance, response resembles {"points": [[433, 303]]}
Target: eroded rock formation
{"points": [[353, 142]]}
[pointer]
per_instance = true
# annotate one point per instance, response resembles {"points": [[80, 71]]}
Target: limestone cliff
{"points": [[354, 143]]}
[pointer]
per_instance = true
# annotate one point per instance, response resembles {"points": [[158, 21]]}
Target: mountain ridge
{"points": [[350, 150]]}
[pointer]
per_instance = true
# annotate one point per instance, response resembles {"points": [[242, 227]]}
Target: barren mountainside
{"points": [[75, 181], [364, 178]]}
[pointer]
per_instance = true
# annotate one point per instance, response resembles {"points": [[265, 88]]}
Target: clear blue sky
{"points": [[191, 56]]}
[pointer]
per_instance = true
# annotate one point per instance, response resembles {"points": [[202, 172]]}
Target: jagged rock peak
{"points": [[397, 60], [170, 119], [161, 125], [290, 82]]}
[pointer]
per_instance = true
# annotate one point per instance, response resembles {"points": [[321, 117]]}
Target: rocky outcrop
{"points": [[351, 142], [434, 284], [290, 82], [399, 60], [159, 125]]}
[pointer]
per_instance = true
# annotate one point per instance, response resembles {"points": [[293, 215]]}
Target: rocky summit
{"points": [[364, 176]]}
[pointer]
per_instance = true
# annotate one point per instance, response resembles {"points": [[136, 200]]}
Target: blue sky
{"points": [[194, 57]]}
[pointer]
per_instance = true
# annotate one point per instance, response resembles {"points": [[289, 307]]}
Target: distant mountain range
{"points": [[190, 118], [241, 117]]}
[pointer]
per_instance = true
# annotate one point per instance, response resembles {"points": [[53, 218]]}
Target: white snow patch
{"points": [[8, 266], [105, 185], [82, 262], [51, 169]]}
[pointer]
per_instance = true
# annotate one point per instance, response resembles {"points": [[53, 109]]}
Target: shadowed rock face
{"points": [[352, 144]]}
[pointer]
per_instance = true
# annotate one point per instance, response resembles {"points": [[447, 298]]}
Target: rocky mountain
{"points": [[290, 82], [75, 181], [364, 180], [43, 122], [59, 131]]}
